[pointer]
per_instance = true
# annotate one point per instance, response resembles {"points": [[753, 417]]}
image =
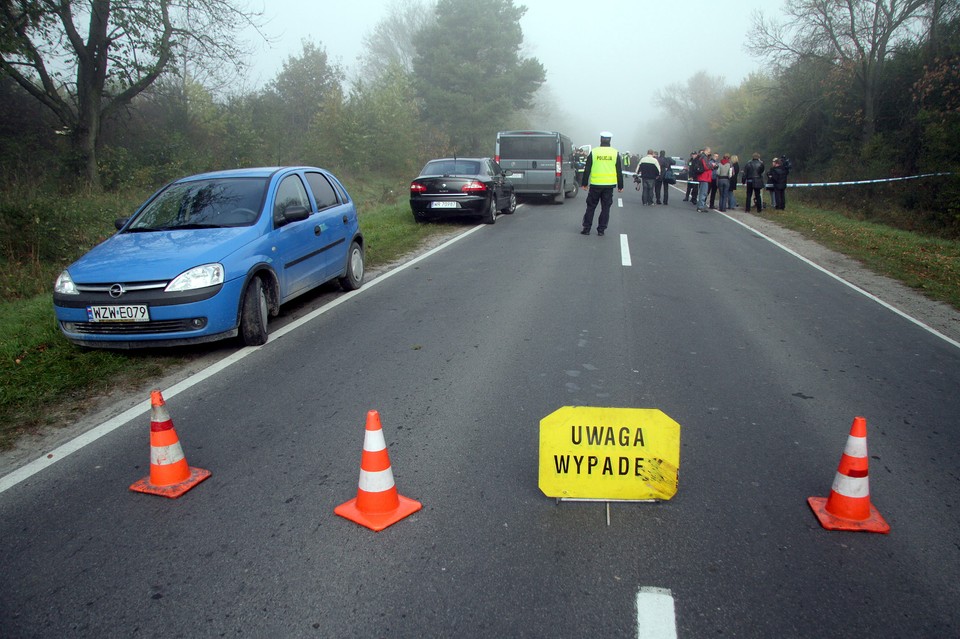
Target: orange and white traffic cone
{"points": [[848, 507], [377, 504], [170, 476]]}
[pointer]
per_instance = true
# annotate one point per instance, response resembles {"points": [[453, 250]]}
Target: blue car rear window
{"points": [[210, 203]]}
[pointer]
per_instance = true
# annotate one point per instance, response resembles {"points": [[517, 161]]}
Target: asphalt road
{"points": [[762, 359]]}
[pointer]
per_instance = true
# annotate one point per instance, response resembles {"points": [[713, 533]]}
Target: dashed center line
{"points": [[625, 250], [656, 618]]}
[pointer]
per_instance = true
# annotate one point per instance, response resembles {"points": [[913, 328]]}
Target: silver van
{"points": [[538, 163]]}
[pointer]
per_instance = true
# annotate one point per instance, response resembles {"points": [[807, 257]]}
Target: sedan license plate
{"points": [[129, 313], [444, 205]]}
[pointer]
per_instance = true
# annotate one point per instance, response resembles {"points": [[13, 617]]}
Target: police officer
{"points": [[603, 171]]}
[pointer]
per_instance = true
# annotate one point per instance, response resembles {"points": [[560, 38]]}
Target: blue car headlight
{"points": [[65, 285], [197, 277]]}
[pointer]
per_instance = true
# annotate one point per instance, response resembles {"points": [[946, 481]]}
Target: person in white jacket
{"points": [[649, 171]]}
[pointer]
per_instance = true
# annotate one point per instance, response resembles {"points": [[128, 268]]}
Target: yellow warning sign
{"points": [[609, 453]]}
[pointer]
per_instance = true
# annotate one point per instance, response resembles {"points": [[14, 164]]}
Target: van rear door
{"points": [[532, 162]]}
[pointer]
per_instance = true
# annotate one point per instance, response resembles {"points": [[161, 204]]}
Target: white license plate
{"points": [[128, 313], [444, 205], [515, 174]]}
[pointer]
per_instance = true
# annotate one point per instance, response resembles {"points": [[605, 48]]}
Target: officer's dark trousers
{"points": [[602, 195]]}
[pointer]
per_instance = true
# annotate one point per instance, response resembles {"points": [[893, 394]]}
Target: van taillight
{"points": [[496, 159], [559, 166]]}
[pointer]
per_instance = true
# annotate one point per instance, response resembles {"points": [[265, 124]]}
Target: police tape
{"points": [[854, 183], [880, 181]]}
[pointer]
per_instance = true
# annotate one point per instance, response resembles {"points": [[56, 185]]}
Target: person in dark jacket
{"points": [[734, 176], [691, 194], [777, 179], [665, 163], [753, 174], [714, 165]]}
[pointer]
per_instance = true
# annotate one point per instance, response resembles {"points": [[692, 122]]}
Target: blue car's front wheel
{"points": [[253, 318]]}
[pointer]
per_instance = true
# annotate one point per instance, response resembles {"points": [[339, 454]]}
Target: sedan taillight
{"points": [[416, 187], [474, 186]]}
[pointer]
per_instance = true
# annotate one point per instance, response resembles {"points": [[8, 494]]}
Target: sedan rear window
{"points": [[451, 167], [203, 204]]}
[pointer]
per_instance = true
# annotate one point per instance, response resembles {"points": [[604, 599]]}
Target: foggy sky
{"points": [[605, 59]]}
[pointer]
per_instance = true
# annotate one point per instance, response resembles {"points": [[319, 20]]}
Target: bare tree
{"points": [[857, 35], [85, 78], [694, 106], [391, 41]]}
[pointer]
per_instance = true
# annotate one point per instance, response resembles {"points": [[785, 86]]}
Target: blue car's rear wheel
{"points": [[353, 277]]}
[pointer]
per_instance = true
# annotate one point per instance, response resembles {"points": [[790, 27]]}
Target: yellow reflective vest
{"points": [[603, 171]]}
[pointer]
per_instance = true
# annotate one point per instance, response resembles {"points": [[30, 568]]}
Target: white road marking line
{"points": [[853, 286], [656, 618], [620, 202], [625, 250]]}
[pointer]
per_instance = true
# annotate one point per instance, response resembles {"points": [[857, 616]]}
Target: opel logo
{"points": [[116, 290]]}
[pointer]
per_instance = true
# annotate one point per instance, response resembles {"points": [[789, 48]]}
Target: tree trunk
{"points": [[91, 78], [869, 115], [85, 149]]}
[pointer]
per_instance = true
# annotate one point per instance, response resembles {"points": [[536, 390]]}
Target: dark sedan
{"points": [[458, 187]]}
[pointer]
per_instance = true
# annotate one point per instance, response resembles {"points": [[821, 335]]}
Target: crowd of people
{"points": [[712, 181]]}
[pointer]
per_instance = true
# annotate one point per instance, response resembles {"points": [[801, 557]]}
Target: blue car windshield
{"points": [[214, 203]]}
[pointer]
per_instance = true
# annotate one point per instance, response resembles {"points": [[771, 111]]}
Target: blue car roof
{"points": [[261, 171]]}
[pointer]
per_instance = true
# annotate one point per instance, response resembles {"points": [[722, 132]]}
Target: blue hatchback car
{"points": [[209, 257]]}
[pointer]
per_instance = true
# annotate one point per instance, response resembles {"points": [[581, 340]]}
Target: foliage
{"points": [[469, 71], [695, 105], [42, 231], [128, 47], [391, 42], [856, 36], [301, 89]]}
